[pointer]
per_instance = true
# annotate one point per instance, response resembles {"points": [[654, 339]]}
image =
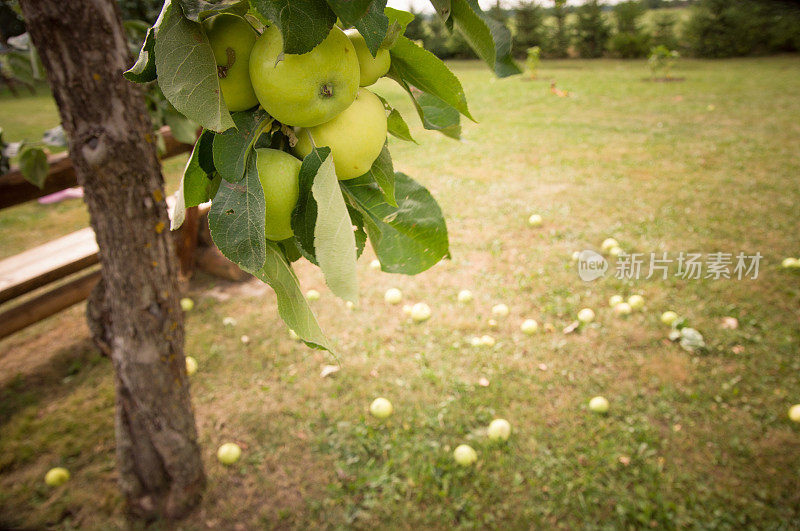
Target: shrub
{"points": [[719, 28], [661, 61]]}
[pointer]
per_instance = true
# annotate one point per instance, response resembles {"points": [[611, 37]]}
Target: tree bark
{"points": [[83, 48]]}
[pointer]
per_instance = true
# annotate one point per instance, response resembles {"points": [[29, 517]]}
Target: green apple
{"points": [[307, 89], [465, 455], [312, 295], [493, 324], [356, 136], [608, 244], [623, 308], [487, 341], [789, 262], [669, 317], [464, 296], [375, 264], [191, 365], [420, 312], [231, 40], [794, 413], [636, 302], [500, 310], [499, 430], [615, 251], [393, 296], [535, 220], [586, 315], [381, 408], [598, 404], [229, 453], [279, 174], [529, 327], [371, 68], [615, 299], [187, 304], [56, 476]]}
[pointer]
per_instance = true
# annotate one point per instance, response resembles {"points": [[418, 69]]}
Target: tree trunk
{"points": [[83, 48]]}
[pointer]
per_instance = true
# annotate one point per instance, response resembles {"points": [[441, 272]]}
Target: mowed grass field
{"points": [[709, 164]]}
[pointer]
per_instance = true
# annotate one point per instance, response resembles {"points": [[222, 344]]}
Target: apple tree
{"points": [[293, 154]]}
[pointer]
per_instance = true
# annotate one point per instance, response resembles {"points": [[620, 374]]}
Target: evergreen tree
{"points": [[591, 30]]}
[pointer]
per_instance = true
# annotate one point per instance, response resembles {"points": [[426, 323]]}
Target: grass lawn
{"points": [[706, 165]]}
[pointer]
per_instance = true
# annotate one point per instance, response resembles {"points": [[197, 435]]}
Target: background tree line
{"points": [[701, 28]]}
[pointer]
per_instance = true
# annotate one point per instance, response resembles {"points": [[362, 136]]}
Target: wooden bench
{"points": [[42, 281]]}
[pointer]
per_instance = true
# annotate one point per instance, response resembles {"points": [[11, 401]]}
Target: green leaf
{"points": [[187, 71], [438, 115], [33, 165], [383, 173], [334, 242], [237, 218], [399, 17], [490, 39], [292, 305], [374, 25], [408, 239], [232, 147], [196, 184], [442, 7], [349, 11], [144, 69], [304, 215], [303, 23], [474, 30], [183, 129], [197, 10], [361, 235], [434, 113], [420, 68], [398, 127]]}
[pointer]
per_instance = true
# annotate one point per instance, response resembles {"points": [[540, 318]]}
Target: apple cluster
{"points": [[320, 94]]}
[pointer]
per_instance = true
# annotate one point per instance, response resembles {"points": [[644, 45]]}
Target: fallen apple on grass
{"points": [[464, 296], [623, 309], [191, 365], [669, 317], [393, 296], [586, 315], [636, 302], [381, 408], [420, 312], [794, 413], [229, 453], [312, 295], [598, 404], [615, 299], [499, 430], [529, 327], [187, 304], [465, 455], [535, 220], [608, 244], [500, 310], [56, 476]]}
